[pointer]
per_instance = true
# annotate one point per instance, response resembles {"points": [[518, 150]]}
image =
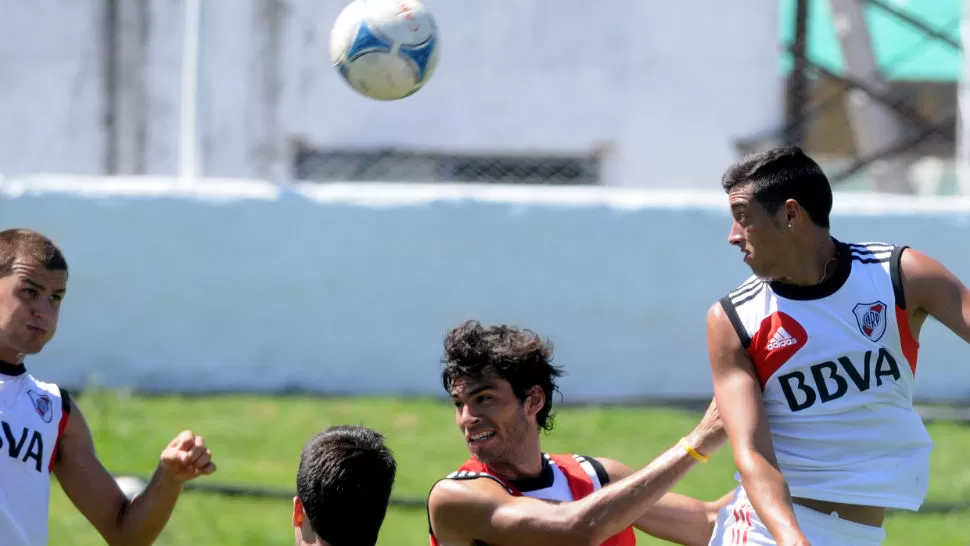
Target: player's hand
{"points": [[186, 457], [709, 435]]}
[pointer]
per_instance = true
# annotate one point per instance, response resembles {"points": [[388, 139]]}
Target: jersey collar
{"points": [[543, 480], [824, 289], [6, 368]]}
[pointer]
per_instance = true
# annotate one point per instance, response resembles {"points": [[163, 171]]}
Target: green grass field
{"points": [[257, 440]]}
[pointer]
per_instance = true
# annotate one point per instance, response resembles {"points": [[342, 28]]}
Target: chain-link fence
{"points": [[871, 92], [872, 87], [404, 166]]}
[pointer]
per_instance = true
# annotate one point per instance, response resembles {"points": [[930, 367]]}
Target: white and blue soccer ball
{"points": [[130, 485], [385, 49]]}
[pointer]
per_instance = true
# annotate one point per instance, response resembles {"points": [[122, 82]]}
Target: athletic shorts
{"points": [[738, 525]]}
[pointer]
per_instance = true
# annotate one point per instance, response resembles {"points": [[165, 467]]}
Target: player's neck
{"points": [[308, 537], [526, 462], [816, 261], [11, 356]]}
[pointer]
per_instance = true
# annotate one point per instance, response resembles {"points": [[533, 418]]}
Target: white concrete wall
{"points": [[350, 289], [663, 88], [52, 98]]}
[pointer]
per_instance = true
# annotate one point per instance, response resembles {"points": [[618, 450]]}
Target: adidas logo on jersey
{"points": [[781, 339]]}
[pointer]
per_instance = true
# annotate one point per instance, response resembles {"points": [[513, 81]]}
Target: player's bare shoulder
{"points": [[715, 313], [76, 442], [929, 288], [920, 275], [457, 503], [724, 328], [473, 491]]}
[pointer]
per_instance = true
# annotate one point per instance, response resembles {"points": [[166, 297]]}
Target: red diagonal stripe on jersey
{"points": [[777, 340]]}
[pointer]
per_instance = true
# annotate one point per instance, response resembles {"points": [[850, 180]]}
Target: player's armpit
{"points": [[675, 518], [465, 510], [737, 391], [930, 288], [722, 502]]}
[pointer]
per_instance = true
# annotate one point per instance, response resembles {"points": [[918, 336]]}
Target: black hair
{"points": [[344, 482], [517, 355], [781, 174]]}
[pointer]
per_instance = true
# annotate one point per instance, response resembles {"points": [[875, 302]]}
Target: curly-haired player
{"points": [[501, 380]]}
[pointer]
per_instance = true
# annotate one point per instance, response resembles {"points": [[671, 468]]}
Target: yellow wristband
{"points": [[693, 452]]}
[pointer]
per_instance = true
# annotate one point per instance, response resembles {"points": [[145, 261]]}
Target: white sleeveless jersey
{"points": [[33, 415], [837, 363]]}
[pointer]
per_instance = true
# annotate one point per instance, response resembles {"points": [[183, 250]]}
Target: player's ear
{"points": [[297, 513], [791, 211], [535, 400]]}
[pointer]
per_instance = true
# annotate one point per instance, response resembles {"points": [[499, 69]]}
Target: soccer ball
{"points": [[385, 49], [130, 485]]}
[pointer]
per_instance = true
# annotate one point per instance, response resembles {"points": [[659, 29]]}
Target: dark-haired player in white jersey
{"points": [[814, 359], [42, 432]]}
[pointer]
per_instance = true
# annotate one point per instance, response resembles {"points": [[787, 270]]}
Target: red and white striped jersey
{"points": [[564, 478]]}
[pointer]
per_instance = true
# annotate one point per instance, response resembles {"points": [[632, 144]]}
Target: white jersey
{"points": [[33, 415], [837, 362]]}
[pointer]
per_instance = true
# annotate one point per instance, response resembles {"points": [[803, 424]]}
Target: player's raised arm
{"points": [[464, 510], [483, 509], [98, 497], [929, 288], [675, 518], [511, 492], [737, 392]]}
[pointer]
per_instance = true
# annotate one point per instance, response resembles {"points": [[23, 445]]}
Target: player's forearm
{"points": [[771, 499], [611, 509], [679, 519], [143, 518]]}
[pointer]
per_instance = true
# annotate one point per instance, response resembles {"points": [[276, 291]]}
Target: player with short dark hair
{"points": [[343, 487], [781, 174], [501, 380], [46, 433], [814, 360]]}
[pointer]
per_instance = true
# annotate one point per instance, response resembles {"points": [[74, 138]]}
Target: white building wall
{"points": [[663, 89]]}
